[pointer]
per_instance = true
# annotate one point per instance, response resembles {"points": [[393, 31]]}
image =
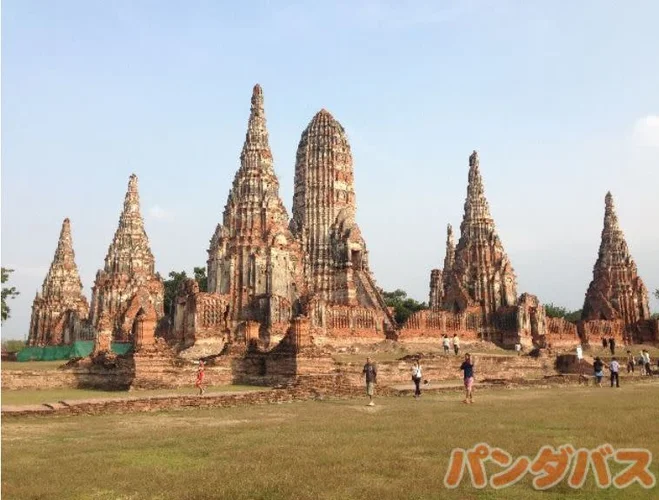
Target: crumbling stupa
{"points": [[128, 279], [60, 310], [253, 258], [481, 273], [616, 292]]}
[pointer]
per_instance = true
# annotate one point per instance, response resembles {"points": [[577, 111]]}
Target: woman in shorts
{"points": [[467, 367], [598, 367]]}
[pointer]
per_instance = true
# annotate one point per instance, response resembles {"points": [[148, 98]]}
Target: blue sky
{"points": [[560, 99]]}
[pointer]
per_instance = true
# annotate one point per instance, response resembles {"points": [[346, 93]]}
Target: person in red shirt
{"points": [[199, 384]]}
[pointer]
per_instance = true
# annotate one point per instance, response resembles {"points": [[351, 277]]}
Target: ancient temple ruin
{"points": [[616, 294], [475, 294], [265, 270], [253, 260], [280, 285], [59, 312], [128, 278], [437, 282], [343, 296], [481, 274]]}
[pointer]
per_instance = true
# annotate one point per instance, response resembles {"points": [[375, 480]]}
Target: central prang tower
{"points": [[335, 256]]}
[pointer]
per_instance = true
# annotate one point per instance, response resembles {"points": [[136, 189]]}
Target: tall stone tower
{"points": [[129, 272], [449, 259], [616, 291], [253, 257], [481, 274], [58, 312], [335, 255], [436, 295]]}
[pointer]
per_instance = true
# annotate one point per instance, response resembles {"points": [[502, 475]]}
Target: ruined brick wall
{"points": [[591, 332], [200, 315], [561, 333], [428, 324], [440, 368]]}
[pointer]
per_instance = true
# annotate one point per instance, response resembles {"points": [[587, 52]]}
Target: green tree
{"points": [[201, 278], [174, 281], [554, 311], [13, 345], [171, 289], [656, 293], [403, 305], [7, 293]]}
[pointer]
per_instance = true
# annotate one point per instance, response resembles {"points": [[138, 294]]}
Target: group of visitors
{"points": [[467, 367], [446, 343], [614, 366], [610, 343]]}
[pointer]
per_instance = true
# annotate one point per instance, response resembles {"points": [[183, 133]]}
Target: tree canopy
{"points": [[554, 311], [8, 292], [403, 305], [175, 279]]}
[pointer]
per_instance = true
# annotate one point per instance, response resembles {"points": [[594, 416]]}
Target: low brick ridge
{"points": [[293, 393]]}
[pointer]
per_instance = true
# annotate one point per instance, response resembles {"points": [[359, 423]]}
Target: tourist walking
{"points": [[604, 343], [199, 383], [579, 359], [630, 362], [371, 373], [614, 366], [456, 344], [445, 343], [598, 368], [612, 346], [416, 378], [467, 367], [518, 347], [646, 362]]}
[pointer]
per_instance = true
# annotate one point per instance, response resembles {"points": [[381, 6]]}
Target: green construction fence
{"points": [[79, 349]]}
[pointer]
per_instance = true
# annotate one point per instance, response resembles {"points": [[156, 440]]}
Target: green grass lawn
{"points": [[331, 449], [39, 396]]}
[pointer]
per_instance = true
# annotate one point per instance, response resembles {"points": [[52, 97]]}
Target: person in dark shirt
{"points": [[598, 368], [371, 373], [467, 367], [630, 362], [612, 346], [604, 343]]}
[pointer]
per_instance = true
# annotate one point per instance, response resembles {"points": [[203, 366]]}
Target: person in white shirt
{"points": [[614, 366], [579, 358], [456, 344], [446, 344], [646, 362], [416, 378]]}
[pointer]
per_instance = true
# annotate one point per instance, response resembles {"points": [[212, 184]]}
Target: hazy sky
{"points": [[561, 99]]}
